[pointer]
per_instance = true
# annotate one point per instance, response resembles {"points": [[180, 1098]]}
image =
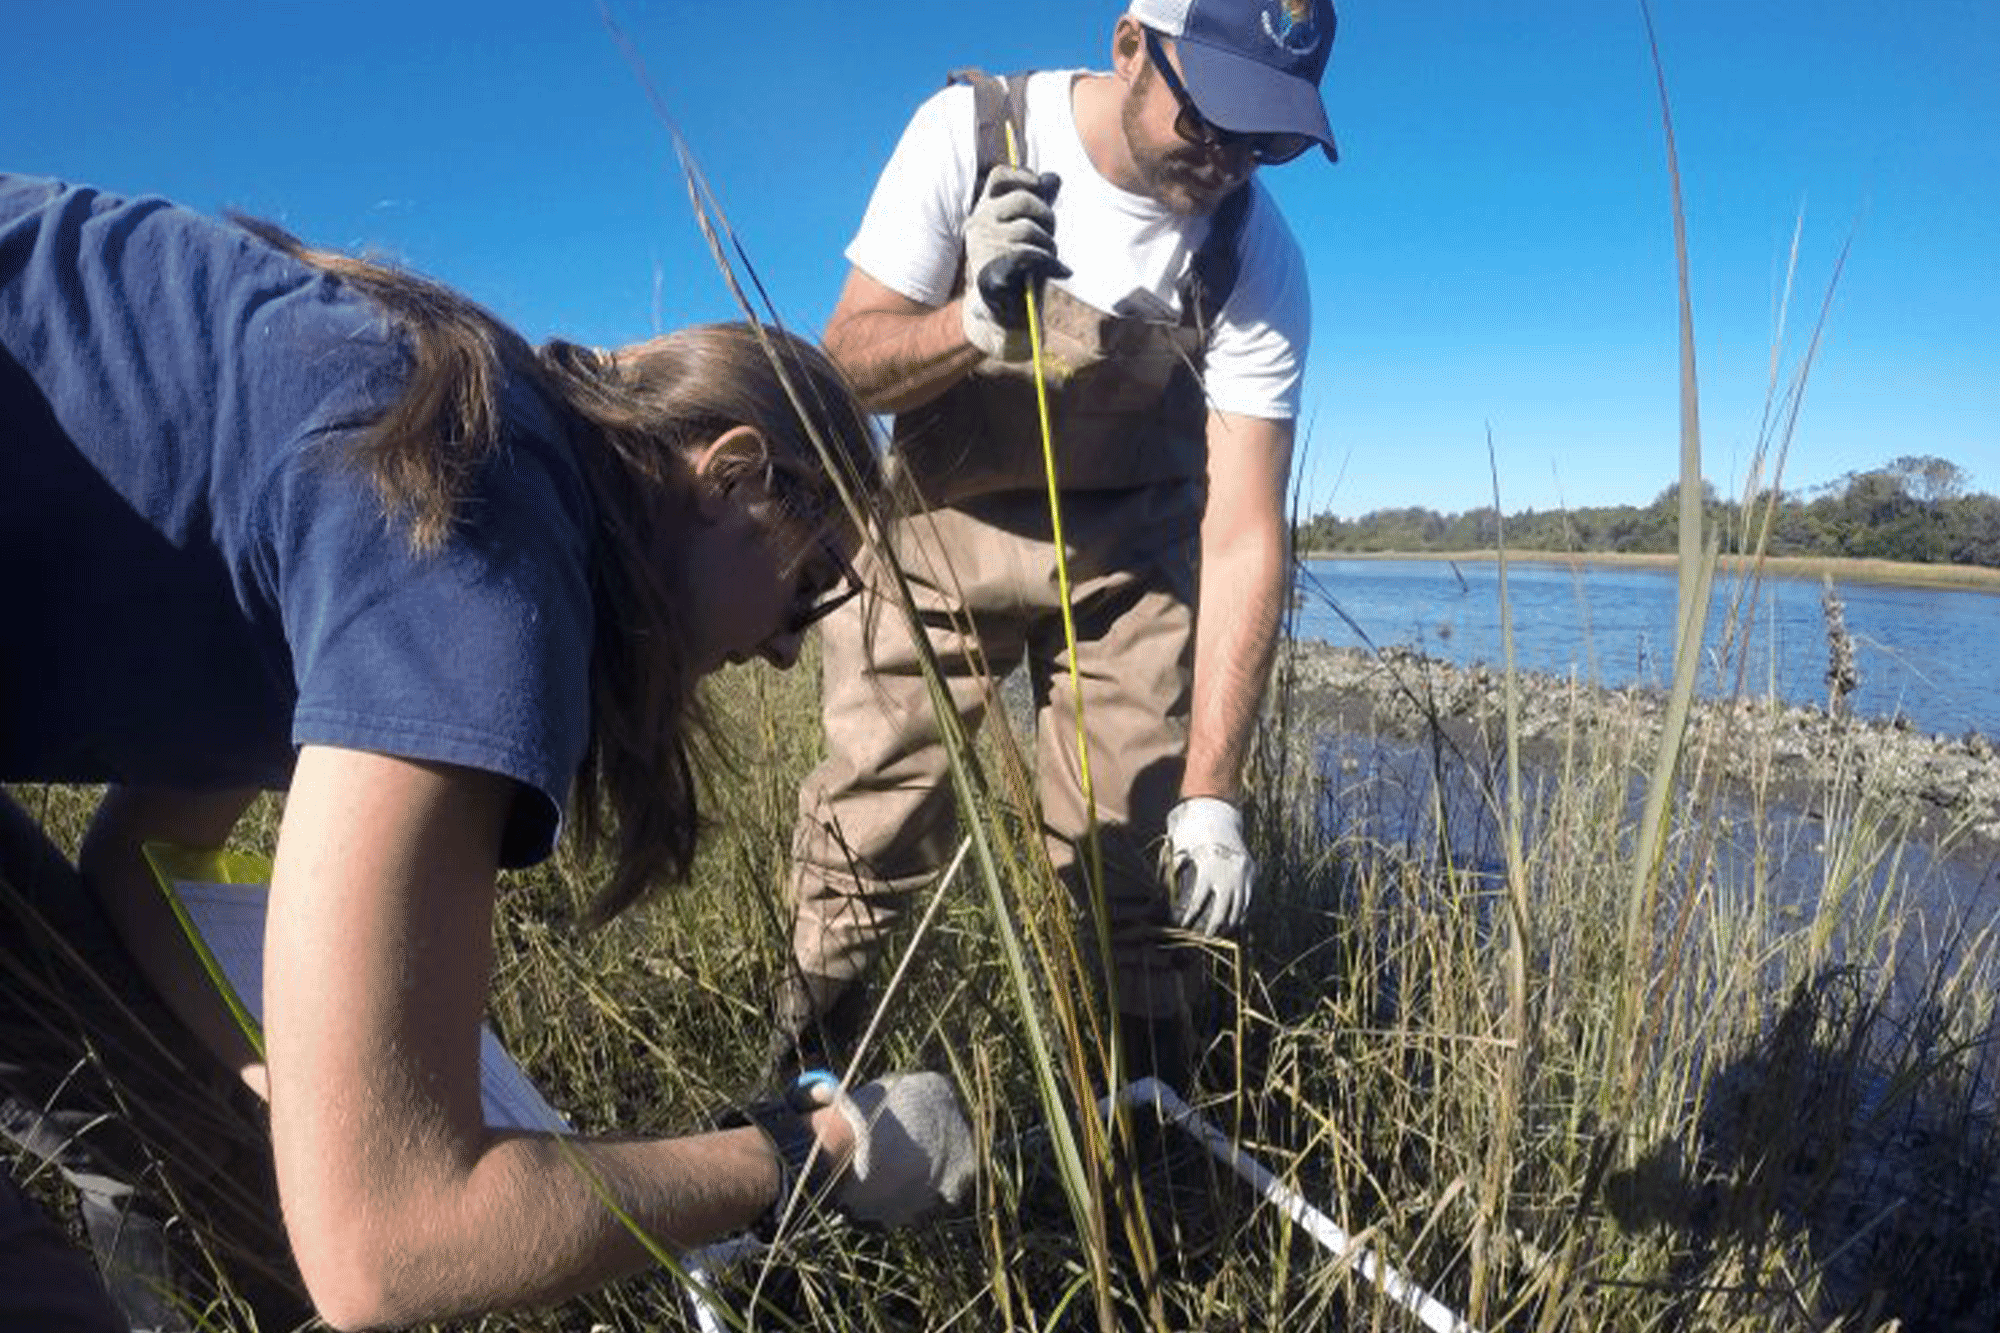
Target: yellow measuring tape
{"points": [[1062, 570]]}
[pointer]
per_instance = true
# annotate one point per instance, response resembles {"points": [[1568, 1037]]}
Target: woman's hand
{"points": [[907, 1148]]}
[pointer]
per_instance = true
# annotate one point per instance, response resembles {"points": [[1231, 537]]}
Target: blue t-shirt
{"points": [[194, 580]]}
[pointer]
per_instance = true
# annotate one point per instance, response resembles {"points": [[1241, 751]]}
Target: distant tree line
{"points": [[1915, 508]]}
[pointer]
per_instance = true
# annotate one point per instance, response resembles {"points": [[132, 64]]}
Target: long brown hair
{"points": [[648, 406], [636, 415]]}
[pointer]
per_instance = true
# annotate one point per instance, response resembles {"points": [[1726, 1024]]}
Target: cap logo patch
{"points": [[1289, 25]]}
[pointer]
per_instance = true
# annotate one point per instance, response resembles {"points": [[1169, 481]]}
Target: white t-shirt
{"points": [[1128, 254]]}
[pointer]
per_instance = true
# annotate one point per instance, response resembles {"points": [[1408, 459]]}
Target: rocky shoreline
{"points": [[1949, 788]]}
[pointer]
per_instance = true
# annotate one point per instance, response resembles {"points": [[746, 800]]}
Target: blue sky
{"points": [[1494, 250]]}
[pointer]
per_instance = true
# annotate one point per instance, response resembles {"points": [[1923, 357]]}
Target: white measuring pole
{"points": [[1151, 1094], [701, 1288]]}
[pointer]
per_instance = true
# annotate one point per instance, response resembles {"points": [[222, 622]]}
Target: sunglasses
{"points": [[810, 606], [1267, 149]]}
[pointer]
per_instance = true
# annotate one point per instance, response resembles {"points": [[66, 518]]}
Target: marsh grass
{"points": [[1731, 1116], [1776, 1133]]}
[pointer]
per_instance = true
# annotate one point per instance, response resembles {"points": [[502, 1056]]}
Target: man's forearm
{"points": [[896, 352], [1236, 636], [898, 361], [1244, 574]]}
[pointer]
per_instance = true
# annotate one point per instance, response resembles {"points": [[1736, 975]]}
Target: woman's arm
{"points": [[400, 1204], [114, 865]]}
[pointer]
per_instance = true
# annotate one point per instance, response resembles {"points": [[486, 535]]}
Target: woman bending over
{"points": [[274, 518]]}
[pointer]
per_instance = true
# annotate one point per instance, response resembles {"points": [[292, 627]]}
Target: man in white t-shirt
{"points": [[1175, 317]]}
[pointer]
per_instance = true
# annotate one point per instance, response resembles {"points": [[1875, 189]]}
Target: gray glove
{"points": [[912, 1149], [1208, 871], [1010, 242]]}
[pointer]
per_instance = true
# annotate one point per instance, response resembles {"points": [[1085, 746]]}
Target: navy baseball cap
{"points": [[1252, 66]]}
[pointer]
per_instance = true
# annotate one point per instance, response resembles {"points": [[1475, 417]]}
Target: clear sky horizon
{"points": [[1494, 251]]}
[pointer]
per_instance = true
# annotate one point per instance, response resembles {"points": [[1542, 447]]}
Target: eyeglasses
{"points": [[809, 607], [1268, 149], [805, 510]]}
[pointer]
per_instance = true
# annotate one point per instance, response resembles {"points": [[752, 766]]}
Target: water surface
{"points": [[1930, 655]]}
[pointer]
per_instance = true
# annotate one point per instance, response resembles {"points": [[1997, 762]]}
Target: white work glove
{"points": [[1208, 871], [912, 1148], [1010, 241]]}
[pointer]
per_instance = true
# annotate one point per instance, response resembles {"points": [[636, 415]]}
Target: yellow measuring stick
{"points": [[1062, 581]]}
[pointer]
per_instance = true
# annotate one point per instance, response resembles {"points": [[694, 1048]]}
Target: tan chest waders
{"points": [[877, 818]]}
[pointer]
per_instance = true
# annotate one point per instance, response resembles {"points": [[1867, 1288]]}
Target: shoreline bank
{"points": [[1893, 573], [1948, 788]]}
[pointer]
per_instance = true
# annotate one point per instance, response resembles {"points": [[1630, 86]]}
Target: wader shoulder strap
{"points": [[1212, 275], [996, 102]]}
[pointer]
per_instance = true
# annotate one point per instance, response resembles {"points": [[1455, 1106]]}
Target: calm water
{"points": [[1933, 656]]}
